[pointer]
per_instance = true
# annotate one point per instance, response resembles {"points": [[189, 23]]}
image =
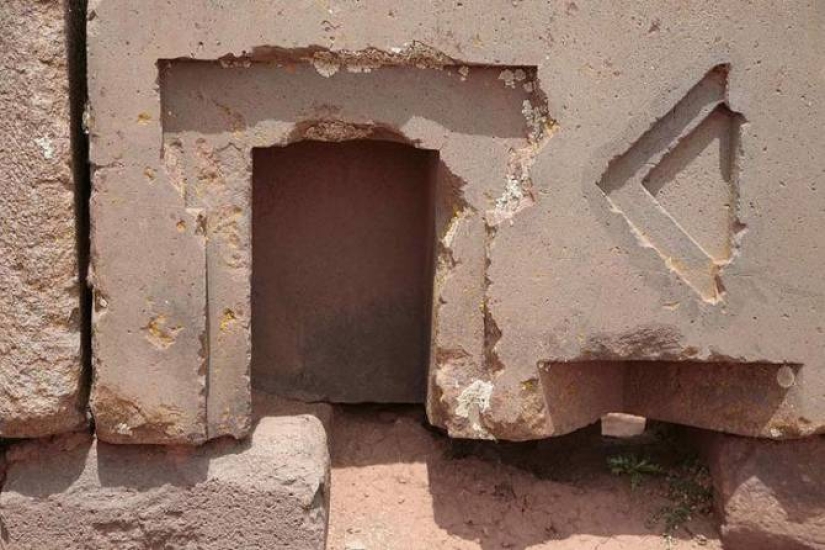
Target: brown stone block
{"points": [[769, 494], [75, 492], [610, 188], [41, 373]]}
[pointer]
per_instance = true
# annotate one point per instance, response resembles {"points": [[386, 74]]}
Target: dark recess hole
{"points": [[343, 241], [75, 28]]}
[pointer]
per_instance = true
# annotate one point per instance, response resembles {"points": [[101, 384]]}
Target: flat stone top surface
{"points": [[270, 491]]}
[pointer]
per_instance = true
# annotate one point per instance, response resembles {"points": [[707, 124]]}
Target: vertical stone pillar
{"points": [[41, 373]]}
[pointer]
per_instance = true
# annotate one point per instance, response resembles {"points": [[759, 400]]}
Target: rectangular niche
{"points": [[337, 296], [342, 277]]}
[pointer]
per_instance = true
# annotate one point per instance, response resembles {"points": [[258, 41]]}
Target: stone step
{"points": [[270, 491]]}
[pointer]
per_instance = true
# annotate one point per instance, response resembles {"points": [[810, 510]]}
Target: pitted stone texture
{"points": [[40, 364], [269, 492], [770, 495], [555, 262]]}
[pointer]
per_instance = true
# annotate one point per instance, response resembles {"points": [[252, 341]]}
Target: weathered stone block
{"points": [[613, 186], [268, 492], [770, 495], [40, 342]]}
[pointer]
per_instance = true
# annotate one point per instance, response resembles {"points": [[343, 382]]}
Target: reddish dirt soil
{"points": [[398, 485]]}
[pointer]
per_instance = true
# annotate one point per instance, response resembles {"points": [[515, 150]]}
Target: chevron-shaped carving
{"points": [[676, 185]]}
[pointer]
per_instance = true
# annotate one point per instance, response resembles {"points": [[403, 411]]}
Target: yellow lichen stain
{"points": [[150, 175], [227, 319], [227, 228], [181, 226], [144, 118], [530, 385], [690, 351], [159, 334]]}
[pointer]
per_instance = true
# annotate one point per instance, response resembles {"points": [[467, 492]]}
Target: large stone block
{"points": [[610, 187], [268, 492], [770, 495], [40, 341]]}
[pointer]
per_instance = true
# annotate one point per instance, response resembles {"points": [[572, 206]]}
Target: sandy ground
{"points": [[397, 485]]}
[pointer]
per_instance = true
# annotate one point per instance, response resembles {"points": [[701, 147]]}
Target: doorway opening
{"points": [[342, 278]]}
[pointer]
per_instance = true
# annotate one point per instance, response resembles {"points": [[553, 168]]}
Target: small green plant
{"points": [[689, 491], [634, 467], [675, 516]]}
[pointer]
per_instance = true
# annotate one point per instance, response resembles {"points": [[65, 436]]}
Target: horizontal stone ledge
{"points": [[270, 491]]}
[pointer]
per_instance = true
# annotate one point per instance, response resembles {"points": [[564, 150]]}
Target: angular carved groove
{"points": [[676, 186]]}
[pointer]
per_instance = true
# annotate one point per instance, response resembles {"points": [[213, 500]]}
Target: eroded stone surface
{"points": [[40, 363], [75, 492], [656, 199], [770, 495]]}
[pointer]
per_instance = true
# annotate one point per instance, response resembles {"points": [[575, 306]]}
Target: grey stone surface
{"points": [[616, 185], [770, 495], [78, 493], [40, 361]]}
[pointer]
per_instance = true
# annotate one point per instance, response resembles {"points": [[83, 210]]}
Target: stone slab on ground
{"points": [[270, 492], [40, 341], [268, 405], [622, 425], [770, 495]]}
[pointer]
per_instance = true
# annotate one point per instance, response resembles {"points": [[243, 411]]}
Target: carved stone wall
{"points": [[626, 214], [519, 216]]}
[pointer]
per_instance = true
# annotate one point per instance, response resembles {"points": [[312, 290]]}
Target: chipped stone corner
{"points": [[459, 395], [329, 62], [518, 193], [471, 405], [414, 54], [123, 420]]}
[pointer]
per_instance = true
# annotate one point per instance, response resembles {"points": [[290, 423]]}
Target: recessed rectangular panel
{"points": [[342, 270]]}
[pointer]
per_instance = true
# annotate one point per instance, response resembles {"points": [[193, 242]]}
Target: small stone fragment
{"points": [[622, 425], [508, 77]]}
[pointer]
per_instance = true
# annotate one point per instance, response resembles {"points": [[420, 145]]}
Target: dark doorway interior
{"points": [[343, 270]]}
